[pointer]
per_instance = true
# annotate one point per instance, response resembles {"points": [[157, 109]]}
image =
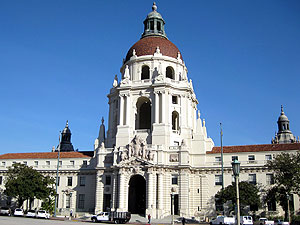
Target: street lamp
{"points": [[172, 203], [236, 171], [56, 181]]}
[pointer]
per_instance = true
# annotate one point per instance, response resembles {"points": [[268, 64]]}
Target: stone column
{"points": [[121, 116], [163, 102], [150, 190], [156, 117], [128, 104], [122, 191], [184, 192], [115, 191], [160, 193], [99, 192]]}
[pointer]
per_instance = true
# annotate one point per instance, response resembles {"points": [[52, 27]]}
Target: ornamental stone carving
{"points": [[137, 148]]}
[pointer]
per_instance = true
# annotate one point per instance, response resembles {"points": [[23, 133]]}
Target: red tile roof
{"points": [[47, 155], [256, 148], [148, 45]]}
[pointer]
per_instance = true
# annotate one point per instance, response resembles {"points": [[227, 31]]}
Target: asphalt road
{"points": [[11, 220]]}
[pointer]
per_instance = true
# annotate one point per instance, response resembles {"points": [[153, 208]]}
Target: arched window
{"points": [[158, 26], [170, 72], [175, 120], [143, 117], [145, 73]]}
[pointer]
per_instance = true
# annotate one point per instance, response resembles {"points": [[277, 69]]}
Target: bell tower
{"points": [[154, 98]]}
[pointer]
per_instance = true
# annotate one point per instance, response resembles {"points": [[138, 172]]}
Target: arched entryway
{"points": [[137, 195]]}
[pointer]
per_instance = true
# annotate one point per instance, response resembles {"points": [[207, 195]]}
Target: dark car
{"points": [[5, 211], [187, 220]]}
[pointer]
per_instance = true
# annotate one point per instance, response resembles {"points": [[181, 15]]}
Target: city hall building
{"points": [[156, 147]]}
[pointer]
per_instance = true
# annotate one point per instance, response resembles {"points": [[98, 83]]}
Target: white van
{"points": [[246, 220]]}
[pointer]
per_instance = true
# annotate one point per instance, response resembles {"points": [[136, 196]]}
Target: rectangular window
{"points": [[218, 159], [60, 163], [108, 180], [270, 179], [3, 164], [14, 162], [151, 25], [58, 181], [252, 178], [234, 157], [251, 157], [84, 163], [174, 179], [81, 201], [57, 199], [268, 157], [25, 162], [174, 100], [36, 163], [72, 163], [82, 181], [218, 179], [69, 181], [1, 180], [48, 163], [68, 200]]}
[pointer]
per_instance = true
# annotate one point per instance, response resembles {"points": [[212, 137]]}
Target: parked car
{"points": [[246, 220], [222, 220], [187, 220], [18, 212], [280, 222], [42, 214], [31, 213], [265, 221], [5, 211]]}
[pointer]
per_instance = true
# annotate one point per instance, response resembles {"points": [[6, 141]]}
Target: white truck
{"points": [[265, 221], [222, 220], [115, 217]]}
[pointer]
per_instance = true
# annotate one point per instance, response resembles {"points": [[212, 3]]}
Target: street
{"points": [[11, 220]]}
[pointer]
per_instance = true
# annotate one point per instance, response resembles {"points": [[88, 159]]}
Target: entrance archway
{"points": [[137, 195]]}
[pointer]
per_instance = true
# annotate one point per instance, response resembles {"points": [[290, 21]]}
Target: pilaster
{"points": [[99, 192]]}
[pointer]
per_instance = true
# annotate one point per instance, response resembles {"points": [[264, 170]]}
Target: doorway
{"points": [[137, 195]]}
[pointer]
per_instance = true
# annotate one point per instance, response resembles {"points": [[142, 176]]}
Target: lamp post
{"points": [[236, 172], [172, 204], [56, 181]]}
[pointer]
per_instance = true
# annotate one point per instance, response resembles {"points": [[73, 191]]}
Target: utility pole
{"points": [[57, 169]]}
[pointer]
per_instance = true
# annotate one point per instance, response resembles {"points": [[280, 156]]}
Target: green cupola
{"points": [[154, 24]]}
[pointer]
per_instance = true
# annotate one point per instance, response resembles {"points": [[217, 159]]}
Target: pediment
{"points": [[134, 162]]}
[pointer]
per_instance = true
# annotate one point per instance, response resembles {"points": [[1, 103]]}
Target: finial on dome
{"points": [[102, 120], [154, 7], [282, 110], [67, 123]]}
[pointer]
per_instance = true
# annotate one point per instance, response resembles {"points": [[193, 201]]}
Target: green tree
{"points": [[286, 167], [26, 183], [249, 195]]}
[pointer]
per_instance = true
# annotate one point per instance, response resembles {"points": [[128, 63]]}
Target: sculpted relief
{"points": [[137, 148]]}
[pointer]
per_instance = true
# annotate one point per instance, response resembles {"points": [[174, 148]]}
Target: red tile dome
{"points": [[148, 45]]}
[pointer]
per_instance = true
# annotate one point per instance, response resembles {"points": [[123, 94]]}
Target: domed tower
{"points": [[154, 99], [65, 144], [284, 134], [155, 135]]}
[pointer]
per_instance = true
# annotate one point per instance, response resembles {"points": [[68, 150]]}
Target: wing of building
{"points": [[156, 147]]}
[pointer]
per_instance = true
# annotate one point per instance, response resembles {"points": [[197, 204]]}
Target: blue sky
{"points": [[58, 59]]}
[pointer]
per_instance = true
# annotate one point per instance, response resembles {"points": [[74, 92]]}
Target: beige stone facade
{"points": [[156, 147]]}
